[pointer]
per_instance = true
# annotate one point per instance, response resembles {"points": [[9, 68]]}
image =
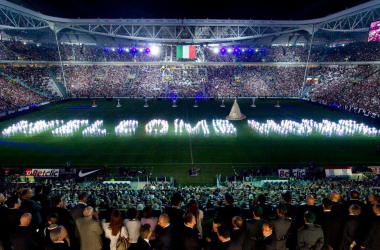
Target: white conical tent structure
{"points": [[235, 113]]}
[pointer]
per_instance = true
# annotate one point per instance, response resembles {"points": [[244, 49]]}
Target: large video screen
{"points": [[374, 32]]}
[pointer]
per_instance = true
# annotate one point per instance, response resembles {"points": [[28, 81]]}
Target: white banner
{"points": [[375, 169], [340, 172], [294, 173], [49, 173]]}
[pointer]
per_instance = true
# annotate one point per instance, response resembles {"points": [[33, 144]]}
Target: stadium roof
{"points": [[355, 19]]}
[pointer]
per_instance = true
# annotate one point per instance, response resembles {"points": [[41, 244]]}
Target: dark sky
{"points": [[202, 9]]}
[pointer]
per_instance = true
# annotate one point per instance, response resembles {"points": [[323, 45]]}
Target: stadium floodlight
{"points": [[113, 49], [126, 49], [155, 50], [141, 50], [216, 50], [243, 50], [256, 50], [229, 50]]}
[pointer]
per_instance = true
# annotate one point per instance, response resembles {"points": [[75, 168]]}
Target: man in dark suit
{"points": [[350, 229], [371, 239], [269, 241], [164, 240], [41, 198], [254, 230], [309, 206], [31, 207], [143, 241], [337, 207], [310, 236], [13, 214], [291, 210], [57, 237], [354, 199], [238, 233], [228, 211], [25, 237], [331, 224], [175, 212], [267, 209], [368, 214], [225, 240], [77, 212], [3, 212], [282, 227], [212, 241], [64, 217], [189, 237]]}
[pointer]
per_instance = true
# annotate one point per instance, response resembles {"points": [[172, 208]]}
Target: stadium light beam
{"points": [[155, 50]]}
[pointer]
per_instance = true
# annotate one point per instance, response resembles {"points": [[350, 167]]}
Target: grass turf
{"points": [[172, 155]]}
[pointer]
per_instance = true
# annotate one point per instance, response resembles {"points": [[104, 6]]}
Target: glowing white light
{"points": [[155, 50], [180, 124], [256, 50], [126, 128], [224, 127], [216, 50], [229, 50], [306, 128], [69, 128], [94, 130], [141, 50], [126, 49], [243, 50], [113, 49], [28, 129], [151, 128]]}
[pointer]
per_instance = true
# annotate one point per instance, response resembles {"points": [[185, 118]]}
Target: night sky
{"points": [[179, 9]]}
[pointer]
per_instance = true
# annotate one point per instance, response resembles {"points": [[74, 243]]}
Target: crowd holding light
{"points": [[151, 127], [29, 129], [306, 128], [69, 128], [180, 124], [126, 128], [94, 130], [224, 127]]}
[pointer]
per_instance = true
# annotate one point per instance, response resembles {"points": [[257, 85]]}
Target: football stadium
{"points": [[251, 132]]}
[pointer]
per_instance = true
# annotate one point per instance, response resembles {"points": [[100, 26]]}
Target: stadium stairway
{"points": [[59, 85], [241, 88], [100, 82]]}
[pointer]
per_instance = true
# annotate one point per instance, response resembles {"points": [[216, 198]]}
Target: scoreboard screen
{"points": [[374, 32]]}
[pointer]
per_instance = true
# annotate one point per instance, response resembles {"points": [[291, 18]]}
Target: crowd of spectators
{"points": [[13, 95], [294, 215], [350, 88]]}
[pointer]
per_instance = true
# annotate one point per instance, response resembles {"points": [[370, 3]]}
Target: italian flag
{"points": [[186, 52]]}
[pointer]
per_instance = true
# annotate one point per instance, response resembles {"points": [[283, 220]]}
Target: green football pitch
{"points": [[173, 155]]}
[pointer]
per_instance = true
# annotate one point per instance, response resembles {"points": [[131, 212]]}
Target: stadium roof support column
{"points": [[307, 63], [60, 58]]}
